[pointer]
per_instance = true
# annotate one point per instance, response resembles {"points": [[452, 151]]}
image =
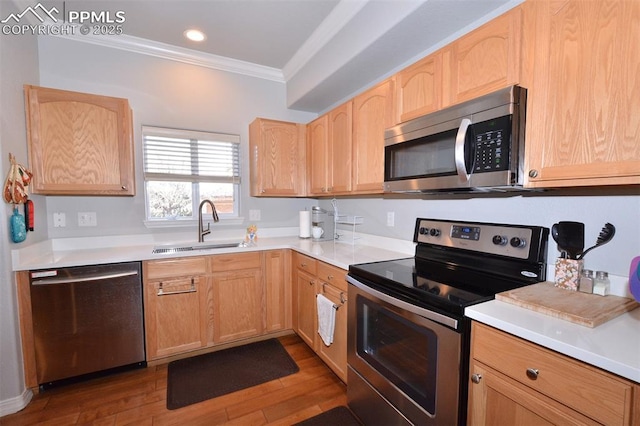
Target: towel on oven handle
{"points": [[326, 318]]}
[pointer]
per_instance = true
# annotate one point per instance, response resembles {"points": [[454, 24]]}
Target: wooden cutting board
{"points": [[585, 309]]}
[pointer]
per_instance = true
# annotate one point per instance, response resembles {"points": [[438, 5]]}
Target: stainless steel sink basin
{"points": [[193, 247]]}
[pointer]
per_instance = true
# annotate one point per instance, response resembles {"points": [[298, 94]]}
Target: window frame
{"points": [[193, 179]]}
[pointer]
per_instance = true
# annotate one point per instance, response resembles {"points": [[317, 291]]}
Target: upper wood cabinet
{"points": [[583, 123], [277, 158], [419, 88], [372, 113], [79, 144], [330, 149], [484, 60]]}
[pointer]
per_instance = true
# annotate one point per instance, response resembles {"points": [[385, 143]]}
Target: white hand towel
{"points": [[326, 319]]}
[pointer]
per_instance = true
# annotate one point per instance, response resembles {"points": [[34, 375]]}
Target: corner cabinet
{"points": [[513, 381], [277, 158], [79, 144], [583, 127]]}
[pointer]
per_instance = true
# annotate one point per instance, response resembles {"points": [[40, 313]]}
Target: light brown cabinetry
{"points": [[312, 277], [513, 381], [79, 144], [175, 300], [237, 295], [330, 150], [485, 60], [277, 158], [277, 293], [373, 112], [583, 105], [419, 88]]}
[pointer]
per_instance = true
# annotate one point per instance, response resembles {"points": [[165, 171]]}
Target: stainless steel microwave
{"points": [[475, 146]]}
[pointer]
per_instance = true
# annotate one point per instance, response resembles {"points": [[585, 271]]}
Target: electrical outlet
{"points": [[87, 219], [59, 220], [254, 214], [391, 219]]}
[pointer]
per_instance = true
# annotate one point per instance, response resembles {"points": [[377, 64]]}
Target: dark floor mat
{"points": [[339, 416], [214, 374]]}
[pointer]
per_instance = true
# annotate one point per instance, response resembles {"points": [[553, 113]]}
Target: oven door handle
{"points": [[461, 138], [426, 313]]}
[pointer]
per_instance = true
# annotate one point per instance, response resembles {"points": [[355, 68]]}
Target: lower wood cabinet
{"points": [[312, 277], [513, 381]]}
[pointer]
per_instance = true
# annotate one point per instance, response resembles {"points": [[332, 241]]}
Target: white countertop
{"points": [[613, 346]]}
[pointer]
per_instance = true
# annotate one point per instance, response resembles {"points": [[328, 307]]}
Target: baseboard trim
{"points": [[13, 405]]}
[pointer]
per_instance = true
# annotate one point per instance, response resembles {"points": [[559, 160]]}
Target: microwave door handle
{"points": [[461, 136]]}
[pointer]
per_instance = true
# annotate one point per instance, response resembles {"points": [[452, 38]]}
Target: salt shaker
{"points": [[586, 281], [601, 283]]}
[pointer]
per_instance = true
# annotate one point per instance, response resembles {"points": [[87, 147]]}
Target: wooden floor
{"points": [[139, 398]]}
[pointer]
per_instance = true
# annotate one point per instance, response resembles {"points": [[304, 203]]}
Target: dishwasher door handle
{"points": [[67, 280]]}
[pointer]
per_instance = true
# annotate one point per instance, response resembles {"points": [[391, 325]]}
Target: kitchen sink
{"points": [[194, 247]]}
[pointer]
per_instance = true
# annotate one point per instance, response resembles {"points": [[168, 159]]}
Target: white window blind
{"points": [[190, 156]]}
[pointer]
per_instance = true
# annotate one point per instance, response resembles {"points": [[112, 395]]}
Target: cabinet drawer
{"points": [[337, 295], [332, 275], [586, 389], [235, 261], [177, 267], [305, 263]]}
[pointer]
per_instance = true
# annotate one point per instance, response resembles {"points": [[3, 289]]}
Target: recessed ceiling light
{"points": [[195, 35]]}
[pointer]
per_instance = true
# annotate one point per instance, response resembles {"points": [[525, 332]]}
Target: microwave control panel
{"points": [[491, 140]]}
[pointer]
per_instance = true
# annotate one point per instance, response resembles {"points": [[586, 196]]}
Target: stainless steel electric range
{"points": [[408, 338]]}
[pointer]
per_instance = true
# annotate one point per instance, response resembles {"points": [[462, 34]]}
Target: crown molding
{"points": [[179, 54]]}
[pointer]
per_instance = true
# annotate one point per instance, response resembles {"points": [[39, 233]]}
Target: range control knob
{"points": [[434, 232], [500, 240], [517, 242], [424, 230]]}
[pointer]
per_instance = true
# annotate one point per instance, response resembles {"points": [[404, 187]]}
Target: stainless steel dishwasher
{"points": [[86, 320]]}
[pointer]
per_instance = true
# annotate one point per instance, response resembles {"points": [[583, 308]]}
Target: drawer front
{"points": [[332, 275], [235, 261], [586, 389], [177, 267], [305, 263]]}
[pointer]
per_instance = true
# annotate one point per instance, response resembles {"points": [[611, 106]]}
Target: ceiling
{"points": [[324, 50]]}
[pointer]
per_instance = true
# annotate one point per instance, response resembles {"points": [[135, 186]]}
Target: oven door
{"points": [[402, 363]]}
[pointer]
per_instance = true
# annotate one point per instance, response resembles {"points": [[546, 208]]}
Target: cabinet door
{"points": [[419, 88], [340, 148], [306, 307], [173, 319], [277, 158], [372, 114], [277, 290], [486, 59], [79, 144], [318, 159], [335, 355], [495, 399], [583, 123], [238, 305]]}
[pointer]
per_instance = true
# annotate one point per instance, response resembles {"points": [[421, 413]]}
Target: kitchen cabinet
{"points": [[277, 276], [484, 60], [237, 296], [175, 301], [583, 125], [332, 284], [373, 112], [277, 158], [330, 151], [419, 88], [513, 381], [312, 277], [79, 144]]}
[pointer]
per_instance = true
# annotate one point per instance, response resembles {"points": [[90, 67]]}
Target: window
{"points": [[183, 167]]}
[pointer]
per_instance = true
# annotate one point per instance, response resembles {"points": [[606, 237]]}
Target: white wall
{"points": [[170, 94], [18, 66]]}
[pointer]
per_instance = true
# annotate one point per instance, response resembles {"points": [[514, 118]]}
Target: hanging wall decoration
{"points": [[16, 191]]}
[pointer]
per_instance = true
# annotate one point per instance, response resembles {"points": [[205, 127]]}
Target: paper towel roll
{"points": [[305, 224]]}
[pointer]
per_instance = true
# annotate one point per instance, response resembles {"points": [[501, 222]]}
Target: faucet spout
{"points": [[201, 231]]}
